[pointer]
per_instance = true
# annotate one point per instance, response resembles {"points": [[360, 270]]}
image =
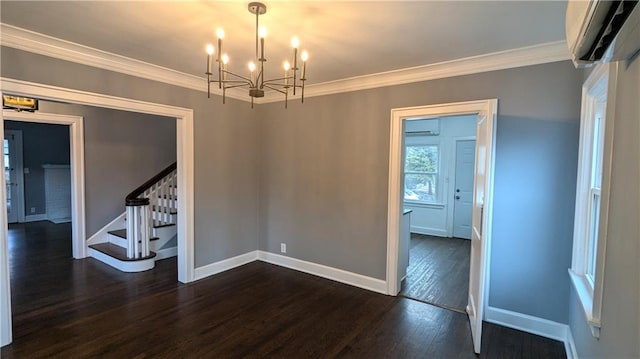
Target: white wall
{"points": [[437, 219]]}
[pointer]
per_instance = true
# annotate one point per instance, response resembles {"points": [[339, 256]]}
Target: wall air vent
{"points": [[602, 30]]}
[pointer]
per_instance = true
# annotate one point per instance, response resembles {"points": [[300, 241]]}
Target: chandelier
{"points": [[256, 81]]}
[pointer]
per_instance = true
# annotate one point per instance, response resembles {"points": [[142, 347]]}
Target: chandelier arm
{"points": [[262, 60], [235, 82], [274, 81], [248, 80], [260, 77], [234, 86], [275, 89]]}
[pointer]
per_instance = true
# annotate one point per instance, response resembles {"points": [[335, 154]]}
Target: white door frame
{"points": [[184, 154], [398, 115], [17, 156], [76, 153]]}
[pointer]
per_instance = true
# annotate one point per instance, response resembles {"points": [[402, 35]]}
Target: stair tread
{"points": [[122, 233], [164, 225], [118, 252]]}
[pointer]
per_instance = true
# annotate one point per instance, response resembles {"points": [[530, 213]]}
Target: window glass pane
{"points": [[421, 173], [594, 220], [598, 139], [419, 187], [421, 159]]}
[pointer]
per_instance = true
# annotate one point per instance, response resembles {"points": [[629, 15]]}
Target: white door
{"points": [[463, 196], [475, 307], [11, 172]]}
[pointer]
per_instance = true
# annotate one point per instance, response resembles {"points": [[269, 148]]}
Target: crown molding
{"points": [[26, 40], [524, 56]]}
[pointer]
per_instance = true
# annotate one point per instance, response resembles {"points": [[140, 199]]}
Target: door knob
{"points": [[457, 197], [458, 190]]}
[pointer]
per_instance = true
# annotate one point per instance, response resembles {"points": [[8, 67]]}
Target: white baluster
{"points": [[135, 238], [144, 240], [130, 230]]}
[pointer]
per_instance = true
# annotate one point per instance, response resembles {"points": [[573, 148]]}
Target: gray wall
{"points": [[226, 147], [41, 144], [621, 298], [315, 176], [324, 173], [121, 151]]}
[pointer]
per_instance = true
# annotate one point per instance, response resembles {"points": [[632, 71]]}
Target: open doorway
{"points": [[37, 169], [482, 202], [185, 176], [438, 170]]}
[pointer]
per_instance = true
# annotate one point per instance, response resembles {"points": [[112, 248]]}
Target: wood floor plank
{"points": [[65, 308], [438, 271]]}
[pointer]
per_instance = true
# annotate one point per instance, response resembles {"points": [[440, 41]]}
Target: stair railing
{"points": [[159, 194]]}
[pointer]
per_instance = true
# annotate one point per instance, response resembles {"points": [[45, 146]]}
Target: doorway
{"points": [[12, 158], [438, 182], [486, 113], [185, 173]]}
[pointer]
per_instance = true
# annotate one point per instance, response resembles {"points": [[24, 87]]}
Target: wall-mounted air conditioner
{"points": [[423, 127], [602, 30]]}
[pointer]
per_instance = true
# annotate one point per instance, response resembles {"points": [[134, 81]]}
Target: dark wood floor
{"points": [[438, 271], [82, 308]]}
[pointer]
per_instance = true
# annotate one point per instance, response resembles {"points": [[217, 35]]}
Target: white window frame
{"points": [[438, 174], [598, 90]]}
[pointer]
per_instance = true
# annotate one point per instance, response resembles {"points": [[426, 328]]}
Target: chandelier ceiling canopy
{"points": [[294, 76]]}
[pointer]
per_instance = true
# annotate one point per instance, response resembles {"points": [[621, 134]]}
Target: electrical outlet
{"points": [[283, 247], [33, 209]]}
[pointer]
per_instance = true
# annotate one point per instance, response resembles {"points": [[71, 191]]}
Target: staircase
{"points": [[150, 226]]}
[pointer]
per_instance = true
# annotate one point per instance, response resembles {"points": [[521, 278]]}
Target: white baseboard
{"points": [[166, 253], [102, 235], [338, 275], [224, 265], [429, 231], [534, 325], [36, 217], [124, 266]]}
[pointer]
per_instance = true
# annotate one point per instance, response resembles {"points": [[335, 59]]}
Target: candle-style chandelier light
{"points": [[256, 82]]}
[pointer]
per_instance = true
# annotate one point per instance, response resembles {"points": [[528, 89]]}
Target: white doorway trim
{"points": [[398, 115], [184, 154], [76, 152]]}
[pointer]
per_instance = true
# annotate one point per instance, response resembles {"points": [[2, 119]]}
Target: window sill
{"points": [[585, 296], [424, 204]]}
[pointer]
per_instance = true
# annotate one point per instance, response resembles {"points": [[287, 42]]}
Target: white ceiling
{"points": [[344, 39]]}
